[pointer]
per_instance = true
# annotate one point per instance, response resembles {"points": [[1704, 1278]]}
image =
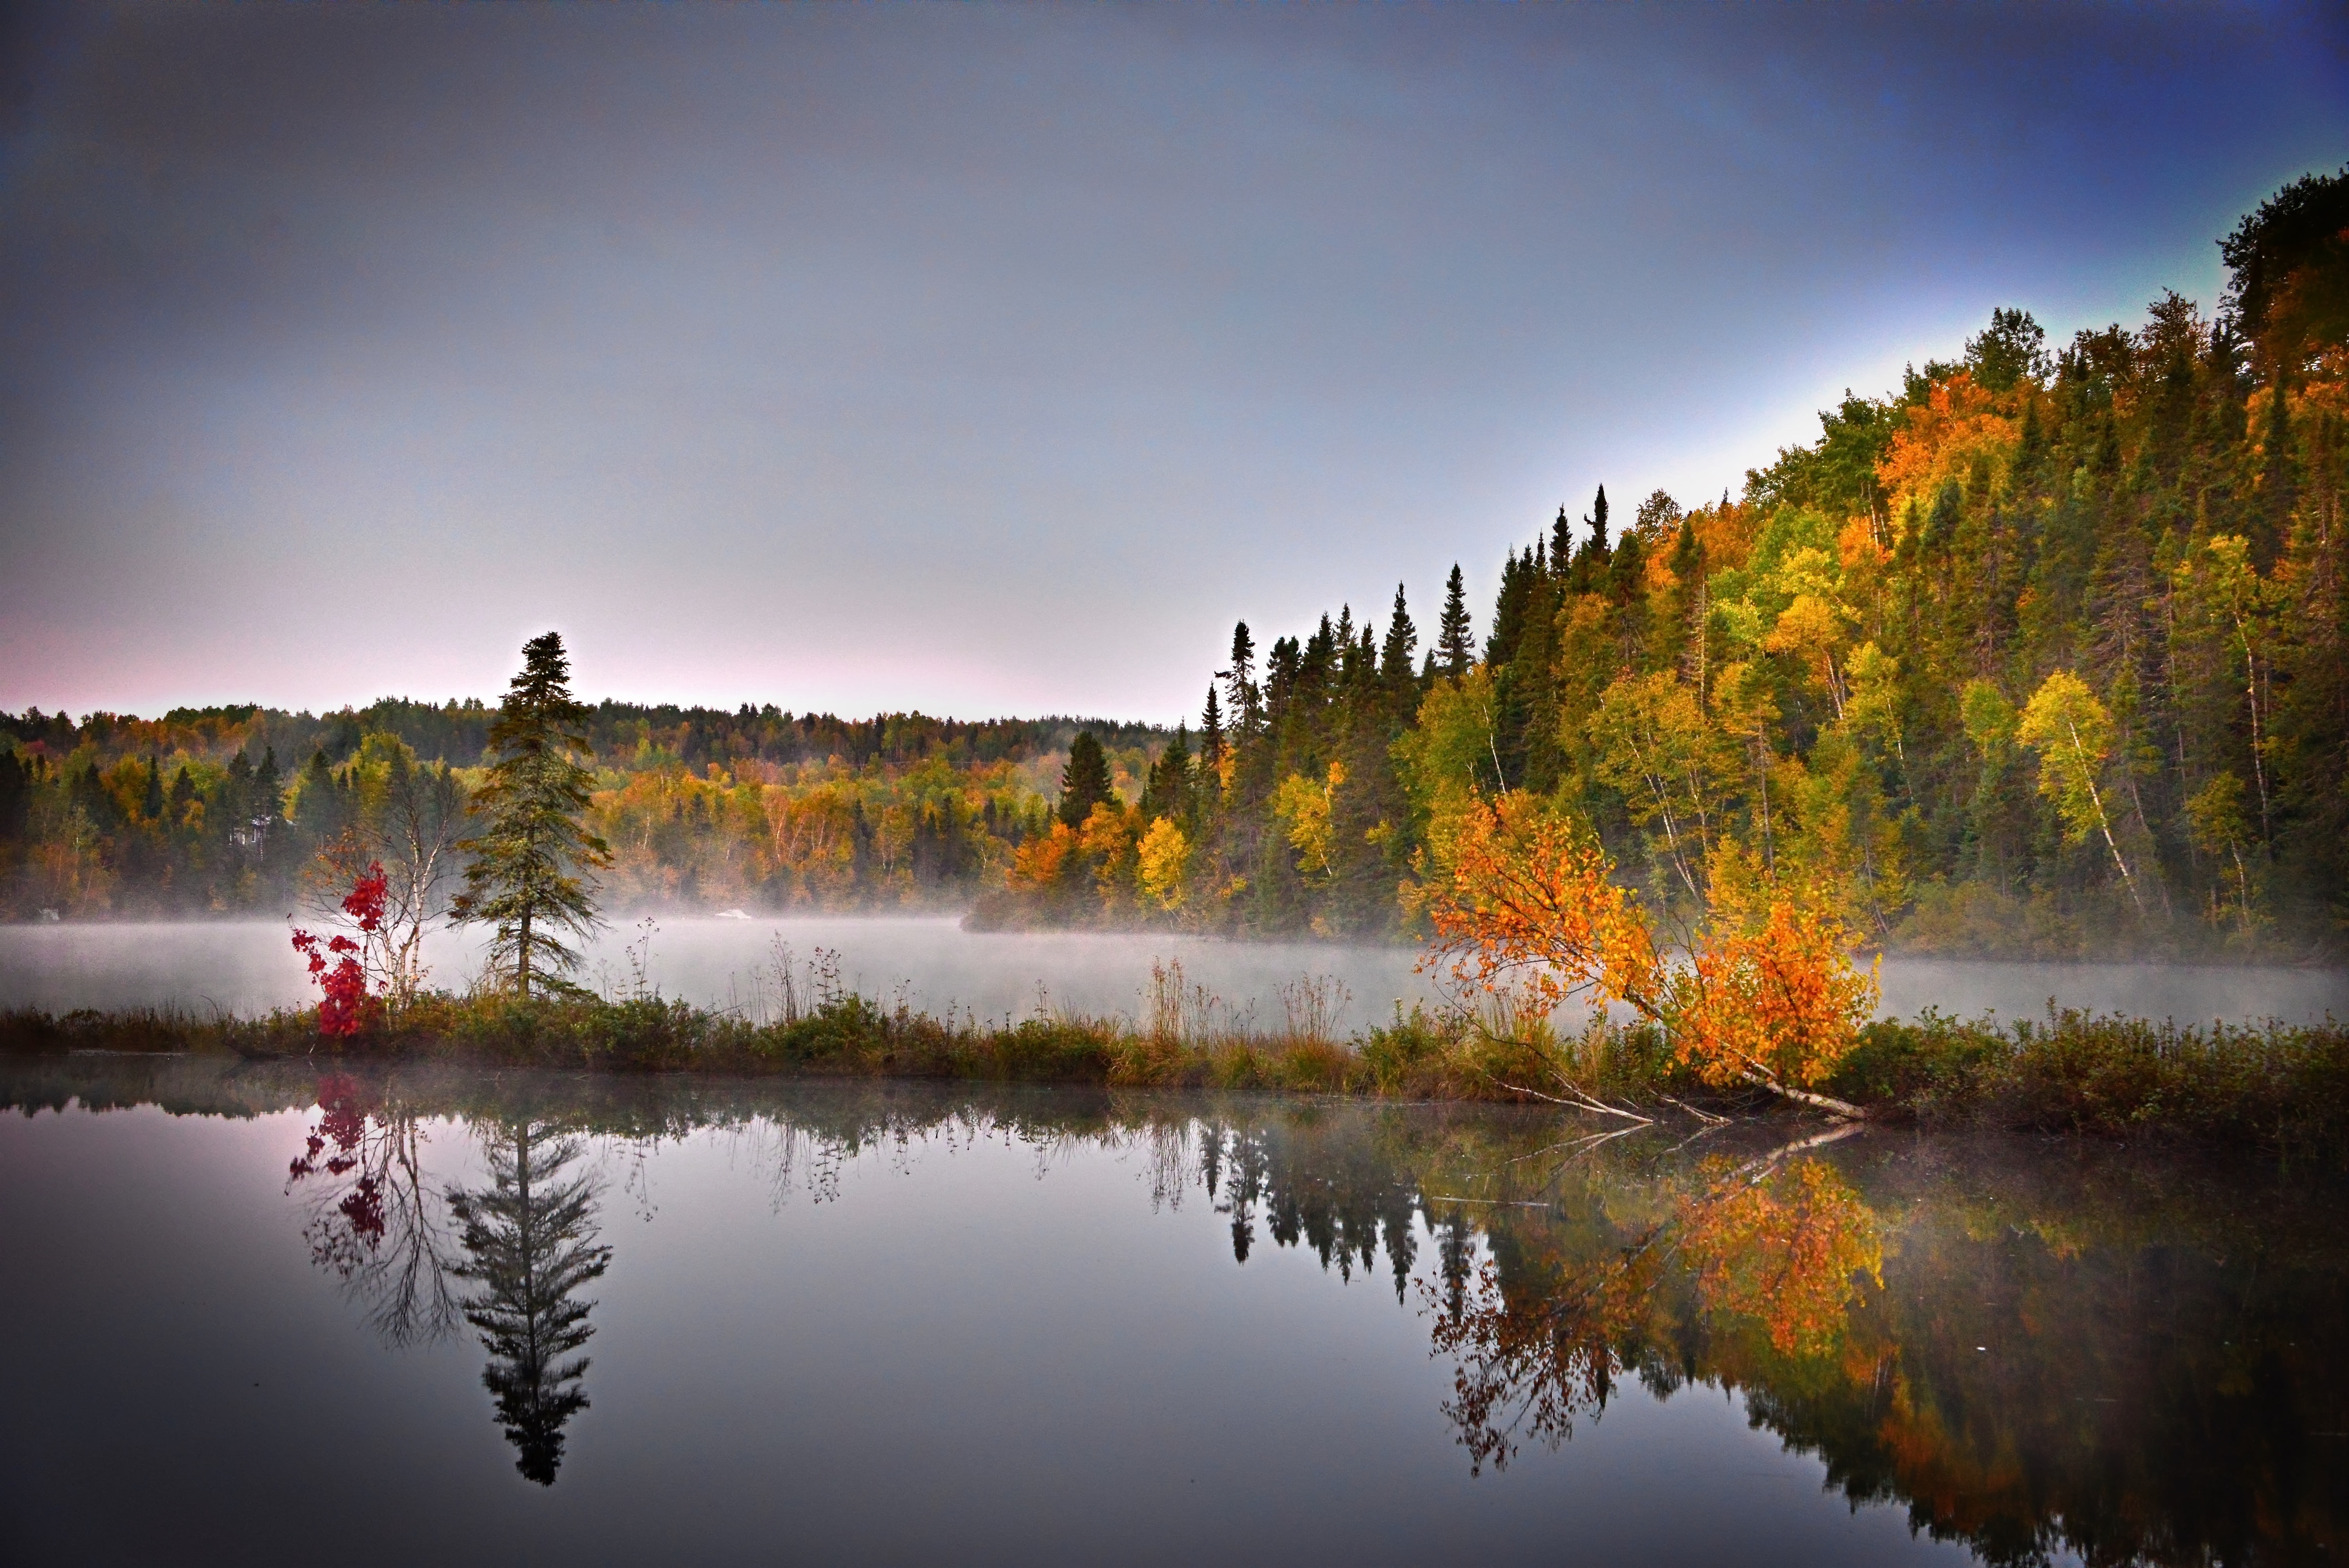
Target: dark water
{"points": [[254, 1315]]}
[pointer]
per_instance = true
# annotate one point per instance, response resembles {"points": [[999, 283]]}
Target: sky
{"points": [[995, 360]]}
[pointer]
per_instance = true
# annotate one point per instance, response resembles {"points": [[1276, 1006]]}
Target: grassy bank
{"points": [[2280, 1087]]}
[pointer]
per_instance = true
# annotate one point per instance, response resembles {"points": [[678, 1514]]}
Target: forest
{"points": [[2039, 655], [222, 811]]}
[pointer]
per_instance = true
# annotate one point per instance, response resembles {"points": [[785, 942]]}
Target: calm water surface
{"points": [[247, 965], [262, 1315]]}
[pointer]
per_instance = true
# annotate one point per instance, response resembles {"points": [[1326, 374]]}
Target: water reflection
{"points": [[2043, 1356], [370, 1215], [530, 1245], [2039, 1350], [525, 1241]]}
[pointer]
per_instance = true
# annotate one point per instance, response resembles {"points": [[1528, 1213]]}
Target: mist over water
{"points": [[935, 967]]}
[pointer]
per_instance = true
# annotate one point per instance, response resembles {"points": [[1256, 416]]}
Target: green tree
{"points": [[1168, 791], [2013, 347], [1394, 655], [530, 1244], [1456, 633], [2073, 734], [1084, 783], [525, 878]]}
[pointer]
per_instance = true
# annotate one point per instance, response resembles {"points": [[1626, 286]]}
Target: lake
{"points": [[936, 965], [262, 1315]]}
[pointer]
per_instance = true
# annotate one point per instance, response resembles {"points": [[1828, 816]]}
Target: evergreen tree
{"points": [[530, 1244], [1211, 736], [1395, 655], [1084, 783], [1508, 610], [1455, 633], [525, 878], [1167, 792], [1246, 703]]}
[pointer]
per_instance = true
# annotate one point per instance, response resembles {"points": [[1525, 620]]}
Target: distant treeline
{"points": [[223, 809]]}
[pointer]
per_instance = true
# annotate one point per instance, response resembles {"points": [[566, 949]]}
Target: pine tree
{"points": [[1455, 634], [1508, 612], [525, 879], [1084, 783], [1211, 736], [1167, 792], [530, 1245], [1246, 702], [1402, 642]]}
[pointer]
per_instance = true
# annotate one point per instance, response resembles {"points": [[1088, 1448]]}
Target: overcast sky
{"points": [[994, 360]]}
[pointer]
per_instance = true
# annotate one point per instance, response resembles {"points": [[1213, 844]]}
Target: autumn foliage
{"points": [[1526, 904], [343, 1003]]}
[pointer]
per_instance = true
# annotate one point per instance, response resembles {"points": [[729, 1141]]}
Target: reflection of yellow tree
{"points": [[1784, 1252], [1773, 1253]]}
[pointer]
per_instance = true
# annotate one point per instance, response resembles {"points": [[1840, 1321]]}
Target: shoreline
{"points": [[2277, 1088]]}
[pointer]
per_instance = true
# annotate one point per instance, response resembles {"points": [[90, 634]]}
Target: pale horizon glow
{"points": [[989, 361]]}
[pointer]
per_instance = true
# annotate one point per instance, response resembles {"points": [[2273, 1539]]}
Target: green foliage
{"points": [[525, 879], [1085, 782]]}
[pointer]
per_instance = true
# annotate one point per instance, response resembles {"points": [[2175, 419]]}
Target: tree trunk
{"points": [[1842, 1109]]}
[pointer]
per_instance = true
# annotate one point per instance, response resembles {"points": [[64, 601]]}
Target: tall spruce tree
{"points": [[1246, 702], [1167, 792], [1395, 653], [1084, 783], [1597, 549], [526, 879], [1455, 633], [1211, 738], [530, 1245]]}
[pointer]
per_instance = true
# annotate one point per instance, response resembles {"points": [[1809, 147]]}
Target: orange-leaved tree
{"points": [[1524, 903]]}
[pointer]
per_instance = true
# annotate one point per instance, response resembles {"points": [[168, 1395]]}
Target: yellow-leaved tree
{"points": [[1303, 806], [2073, 735], [1164, 859], [1525, 905]]}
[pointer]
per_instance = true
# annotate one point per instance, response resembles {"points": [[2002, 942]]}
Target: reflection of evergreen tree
{"points": [[1324, 1188], [530, 1242]]}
